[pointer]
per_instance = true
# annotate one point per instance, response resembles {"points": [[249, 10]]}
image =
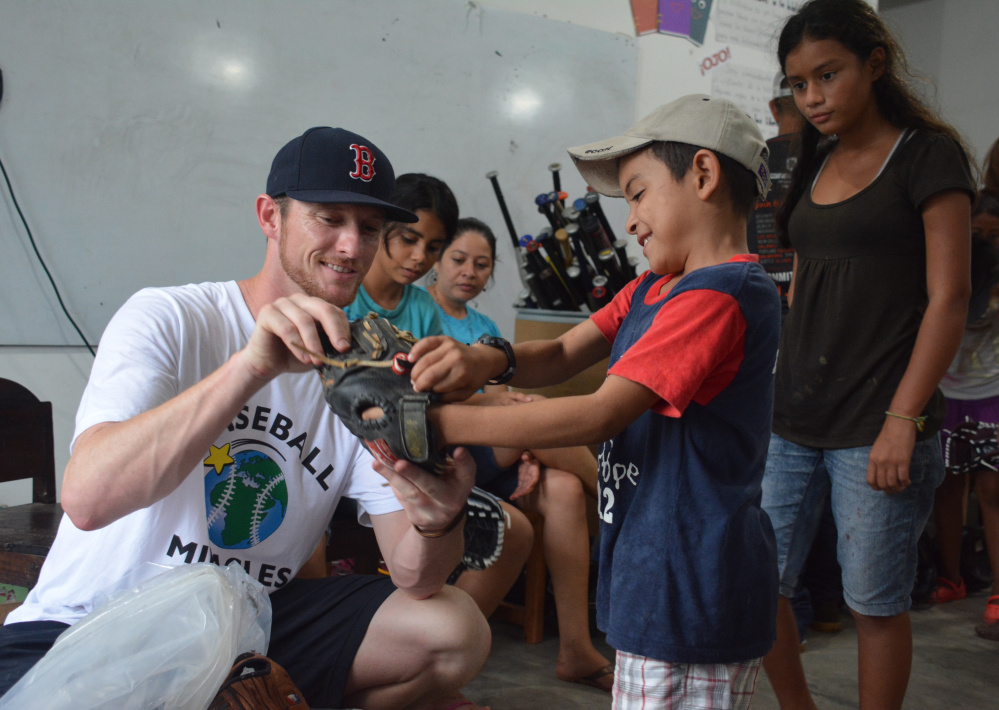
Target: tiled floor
{"points": [[952, 668]]}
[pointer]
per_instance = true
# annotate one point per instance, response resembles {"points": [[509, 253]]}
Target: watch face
{"points": [[501, 344]]}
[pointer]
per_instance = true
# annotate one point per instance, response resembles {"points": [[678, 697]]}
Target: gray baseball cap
{"points": [[697, 119], [782, 89]]}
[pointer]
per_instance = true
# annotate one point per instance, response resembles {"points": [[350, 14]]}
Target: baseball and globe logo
{"points": [[246, 497]]}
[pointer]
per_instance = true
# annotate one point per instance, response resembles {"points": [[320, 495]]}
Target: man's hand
{"points": [[285, 337], [111, 474], [453, 369], [432, 502]]}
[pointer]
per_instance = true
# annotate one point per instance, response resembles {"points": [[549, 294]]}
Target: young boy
{"points": [[688, 570]]}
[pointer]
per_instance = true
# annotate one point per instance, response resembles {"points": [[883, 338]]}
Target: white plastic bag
{"points": [[168, 642]]}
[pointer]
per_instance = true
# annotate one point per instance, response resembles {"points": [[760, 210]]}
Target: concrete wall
{"points": [[59, 374], [953, 44]]}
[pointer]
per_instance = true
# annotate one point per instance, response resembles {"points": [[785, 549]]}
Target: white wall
{"points": [[668, 67], [954, 44], [59, 374]]}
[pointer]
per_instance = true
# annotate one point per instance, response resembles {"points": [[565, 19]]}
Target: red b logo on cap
{"points": [[364, 162]]}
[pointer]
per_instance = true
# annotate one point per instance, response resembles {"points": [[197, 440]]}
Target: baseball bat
{"points": [[599, 295], [593, 200], [502, 203], [556, 181]]}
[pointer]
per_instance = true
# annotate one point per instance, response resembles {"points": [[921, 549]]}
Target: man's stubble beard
{"points": [[306, 281]]}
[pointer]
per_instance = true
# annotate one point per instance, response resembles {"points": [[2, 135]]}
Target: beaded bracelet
{"points": [[919, 421], [441, 533]]}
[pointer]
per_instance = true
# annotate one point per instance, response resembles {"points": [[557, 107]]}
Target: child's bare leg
{"points": [[987, 488], [884, 660], [560, 499], [577, 460], [506, 457], [488, 587], [949, 518], [783, 663]]}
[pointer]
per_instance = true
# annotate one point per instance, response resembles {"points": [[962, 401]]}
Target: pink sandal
{"points": [[947, 591], [989, 628]]}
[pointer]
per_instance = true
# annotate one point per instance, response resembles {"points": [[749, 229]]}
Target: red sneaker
{"points": [[947, 591], [989, 628]]}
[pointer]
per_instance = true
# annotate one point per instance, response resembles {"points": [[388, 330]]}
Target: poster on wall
{"points": [[753, 23], [748, 87], [679, 18], [646, 14]]}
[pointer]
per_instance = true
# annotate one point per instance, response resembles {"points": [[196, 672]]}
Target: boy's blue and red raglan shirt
{"points": [[688, 565]]}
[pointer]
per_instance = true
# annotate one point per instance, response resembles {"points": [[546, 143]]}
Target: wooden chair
{"points": [[27, 451], [531, 614]]}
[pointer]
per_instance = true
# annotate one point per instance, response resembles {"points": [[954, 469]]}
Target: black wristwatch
{"points": [[511, 362]]}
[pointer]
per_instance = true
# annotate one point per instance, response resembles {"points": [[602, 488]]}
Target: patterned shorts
{"points": [[642, 683]]}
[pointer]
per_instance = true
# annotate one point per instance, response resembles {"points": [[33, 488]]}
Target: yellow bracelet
{"points": [[441, 533], [920, 421]]}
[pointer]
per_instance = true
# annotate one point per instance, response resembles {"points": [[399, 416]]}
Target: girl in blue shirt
{"points": [[406, 254]]}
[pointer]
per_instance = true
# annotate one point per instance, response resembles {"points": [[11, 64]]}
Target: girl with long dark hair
{"points": [[878, 214]]}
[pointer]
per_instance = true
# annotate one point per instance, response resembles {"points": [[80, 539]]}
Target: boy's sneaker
{"points": [[989, 628], [826, 618], [947, 591]]}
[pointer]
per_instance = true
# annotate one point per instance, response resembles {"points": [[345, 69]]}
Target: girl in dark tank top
{"points": [[878, 213]]}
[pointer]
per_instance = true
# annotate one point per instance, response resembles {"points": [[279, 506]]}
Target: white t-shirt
{"points": [[974, 373], [266, 489]]}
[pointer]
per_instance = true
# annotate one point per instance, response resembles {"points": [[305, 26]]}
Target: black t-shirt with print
{"points": [[761, 228]]}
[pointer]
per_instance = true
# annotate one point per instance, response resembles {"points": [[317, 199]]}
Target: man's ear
{"points": [[706, 172], [269, 216]]}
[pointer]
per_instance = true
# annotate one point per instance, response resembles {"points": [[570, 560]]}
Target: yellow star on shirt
{"points": [[219, 458]]}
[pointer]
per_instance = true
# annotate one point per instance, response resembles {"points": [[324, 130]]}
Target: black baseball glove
{"points": [[368, 387]]}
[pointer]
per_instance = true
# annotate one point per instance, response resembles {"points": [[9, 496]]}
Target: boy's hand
{"points": [[454, 369]]}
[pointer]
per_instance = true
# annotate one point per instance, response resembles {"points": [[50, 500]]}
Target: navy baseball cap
{"points": [[335, 166]]}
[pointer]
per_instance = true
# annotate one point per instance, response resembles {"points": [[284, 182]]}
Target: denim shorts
{"points": [[877, 532]]}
